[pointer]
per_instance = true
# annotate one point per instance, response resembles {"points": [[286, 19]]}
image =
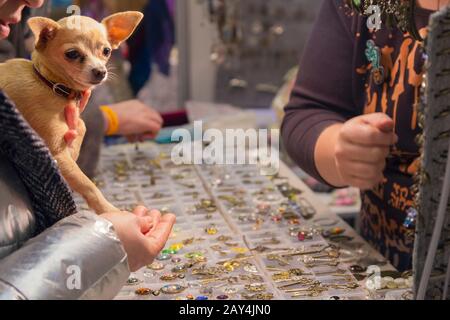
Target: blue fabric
{"points": [[61, 3], [152, 43]]}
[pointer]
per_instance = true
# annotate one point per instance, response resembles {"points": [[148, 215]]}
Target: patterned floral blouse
{"points": [[338, 80]]}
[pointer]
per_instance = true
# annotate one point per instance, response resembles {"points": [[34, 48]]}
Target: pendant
{"points": [[171, 277], [143, 291], [211, 230], [193, 255], [164, 257], [156, 266], [179, 269], [255, 287], [373, 54], [250, 268], [410, 221], [133, 281], [172, 289]]}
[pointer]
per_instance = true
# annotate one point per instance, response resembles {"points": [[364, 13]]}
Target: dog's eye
{"points": [[106, 52], [72, 55]]}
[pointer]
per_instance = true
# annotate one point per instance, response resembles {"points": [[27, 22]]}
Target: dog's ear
{"points": [[120, 26], [44, 30]]}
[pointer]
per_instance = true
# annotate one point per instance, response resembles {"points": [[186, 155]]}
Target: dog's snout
{"points": [[99, 74]]}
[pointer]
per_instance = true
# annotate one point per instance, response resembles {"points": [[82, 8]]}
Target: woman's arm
{"points": [[80, 257], [323, 94], [321, 130]]}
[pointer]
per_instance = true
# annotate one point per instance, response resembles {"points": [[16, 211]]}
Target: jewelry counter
{"points": [[241, 235]]}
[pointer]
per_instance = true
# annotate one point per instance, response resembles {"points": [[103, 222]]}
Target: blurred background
{"points": [[222, 51], [229, 61]]}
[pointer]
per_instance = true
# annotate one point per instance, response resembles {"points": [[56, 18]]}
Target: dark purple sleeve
{"points": [[323, 93]]}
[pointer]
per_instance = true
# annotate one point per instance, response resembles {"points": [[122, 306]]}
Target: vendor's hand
{"points": [[143, 234], [137, 120], [362, 146]]}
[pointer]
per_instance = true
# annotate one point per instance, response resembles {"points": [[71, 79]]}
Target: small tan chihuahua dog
{"points": [[52, 90]]}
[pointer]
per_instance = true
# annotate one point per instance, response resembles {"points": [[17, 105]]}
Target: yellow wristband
{"points": [[113, 120]]}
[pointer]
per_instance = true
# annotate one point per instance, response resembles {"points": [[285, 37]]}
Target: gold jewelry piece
{"points": [[143, 291], [255, 287], [346, 286], [331, 272], [332, 253], [224, 238], [281, 261], [192, 240], [312, 294], [156, 266], [250, 268], [231, 266], [171, 277], [218, 248], [242, 258], [211, 230], [258, 296], [271, 241], [301, 281], [233, 201], [239, 250], [281, 276], [211, 280], [232, 244], [253, 278], [207, 271], [304, 252], [314, 288], [312, 262], [275, 269], [291, 274], [180, 269]]}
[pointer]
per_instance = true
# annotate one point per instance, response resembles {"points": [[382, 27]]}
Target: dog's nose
{"points": [[99, 74]]}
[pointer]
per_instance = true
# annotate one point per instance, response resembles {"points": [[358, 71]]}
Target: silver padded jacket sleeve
{"points": [[80, 257]]}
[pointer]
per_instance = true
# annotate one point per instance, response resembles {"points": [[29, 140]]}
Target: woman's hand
{"points": [[72, 115], [363, 144], [354, 154], [143, 234], [137, 120]]}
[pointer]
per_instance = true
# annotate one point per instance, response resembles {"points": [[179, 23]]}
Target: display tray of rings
{"points": [[241, 235]]}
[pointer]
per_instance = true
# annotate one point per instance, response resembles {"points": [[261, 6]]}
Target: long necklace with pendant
{"points": [[373, 54]]}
